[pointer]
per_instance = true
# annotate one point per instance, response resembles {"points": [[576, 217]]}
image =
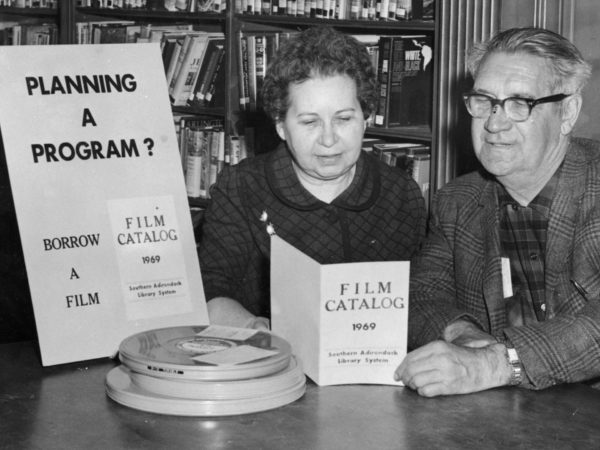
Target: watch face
{"points": [[516, 375], [512, 355]]}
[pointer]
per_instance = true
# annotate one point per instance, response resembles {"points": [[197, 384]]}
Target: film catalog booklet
{"points": [[99, 193], [347, 323]]}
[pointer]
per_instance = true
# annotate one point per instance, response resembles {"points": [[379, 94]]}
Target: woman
{"points": [[317, 190]]}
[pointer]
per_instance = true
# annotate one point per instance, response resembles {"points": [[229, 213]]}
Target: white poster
{"points": [[98, 187], [347, 323]]}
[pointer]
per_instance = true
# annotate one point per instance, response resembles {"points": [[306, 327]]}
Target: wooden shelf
{"points": [[31, 12], [154, 14], [411, 133], [349, 25]]}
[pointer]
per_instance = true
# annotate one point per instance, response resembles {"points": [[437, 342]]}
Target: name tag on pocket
{"points": [[506, 278]]}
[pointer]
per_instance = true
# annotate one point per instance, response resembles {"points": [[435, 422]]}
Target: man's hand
{"points": [[440, 368], [467, 334]]}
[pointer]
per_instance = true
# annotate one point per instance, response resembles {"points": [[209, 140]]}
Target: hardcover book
{"points": [[347, 323], [405, 73]]}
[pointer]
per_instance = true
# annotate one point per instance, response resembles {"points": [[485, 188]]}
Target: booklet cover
{"points": [[347, 323], [99, 193]]}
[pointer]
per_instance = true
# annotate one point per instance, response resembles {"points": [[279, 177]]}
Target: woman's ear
{"points": [[280, 129], [570, 112]]}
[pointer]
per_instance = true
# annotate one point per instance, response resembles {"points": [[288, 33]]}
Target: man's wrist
{"points": [[457, 328], [510, 370], [516, 376]]}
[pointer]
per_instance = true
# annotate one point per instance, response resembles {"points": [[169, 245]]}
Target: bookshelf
{"points": [[232, 23], [456, 24], [52, 14]]}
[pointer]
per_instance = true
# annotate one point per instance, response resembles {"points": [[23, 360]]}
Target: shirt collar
{"points": [[541, 203], [284, 183]]}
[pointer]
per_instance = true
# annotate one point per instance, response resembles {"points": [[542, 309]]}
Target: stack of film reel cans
{"points": [[205, 371]]}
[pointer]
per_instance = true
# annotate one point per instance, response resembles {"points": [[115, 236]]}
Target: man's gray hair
{"points": [[570, 72]]}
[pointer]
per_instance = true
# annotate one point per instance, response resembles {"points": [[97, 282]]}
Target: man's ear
{"points": [[571, 108], [280, 130]]}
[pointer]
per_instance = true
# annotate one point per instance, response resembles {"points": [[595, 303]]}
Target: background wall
{"points": [[578, 20]]}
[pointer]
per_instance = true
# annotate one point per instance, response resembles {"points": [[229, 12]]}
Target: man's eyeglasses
{"points": [[517, 109]]}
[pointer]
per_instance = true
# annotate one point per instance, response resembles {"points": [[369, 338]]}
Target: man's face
{"points": [[518, 152]]}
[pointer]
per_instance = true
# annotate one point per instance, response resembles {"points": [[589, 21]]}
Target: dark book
{"points": [[428, 12], [405, 72], [243, 81], [212, 55], [260, 63], [110, 34], [172, 44], [168, 48], [215, 96], [410, 89], [383, 77]]}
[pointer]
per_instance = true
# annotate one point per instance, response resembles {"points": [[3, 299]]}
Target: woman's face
{"points": [[324, 126]]}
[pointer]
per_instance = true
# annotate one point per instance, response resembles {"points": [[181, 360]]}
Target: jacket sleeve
{"points": [[226, 243], [433, 288], [566, 347]]}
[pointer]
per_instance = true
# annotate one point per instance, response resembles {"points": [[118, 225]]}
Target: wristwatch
{"points": [[516, 376]]}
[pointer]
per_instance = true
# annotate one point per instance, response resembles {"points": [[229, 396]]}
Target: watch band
{"points": [[516, 376]]}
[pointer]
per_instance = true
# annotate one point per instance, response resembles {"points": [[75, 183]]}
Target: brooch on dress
{"points": [[264, 217]]}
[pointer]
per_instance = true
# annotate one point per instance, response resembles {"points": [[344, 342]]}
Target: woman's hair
{"points": [[318, 52], [569, 70]]}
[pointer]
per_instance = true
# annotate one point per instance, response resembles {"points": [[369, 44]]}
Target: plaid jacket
{"points": [[458, 272]]}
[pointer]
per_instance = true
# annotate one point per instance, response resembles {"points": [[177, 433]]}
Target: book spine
{"points": [[193, 172], [383, 69], [205, 72], [178, 63], [260, 64], [251, 69], [243, 72], [177, 46], [217, 80], [214, 159], [190, 70]]}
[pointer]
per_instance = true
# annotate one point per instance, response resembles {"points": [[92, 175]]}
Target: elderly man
{"points": [[506, 290]]}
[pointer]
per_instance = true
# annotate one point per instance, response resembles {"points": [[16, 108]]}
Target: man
{"points": [[506, 290]]}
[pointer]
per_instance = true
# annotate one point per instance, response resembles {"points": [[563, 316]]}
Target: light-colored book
{"points": [[347, 323]]}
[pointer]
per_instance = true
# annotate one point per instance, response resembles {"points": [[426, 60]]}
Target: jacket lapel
{"points": [[492, 269], [562, 222]]}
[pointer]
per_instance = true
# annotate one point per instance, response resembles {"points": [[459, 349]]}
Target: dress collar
{"points": [[285, 185]]}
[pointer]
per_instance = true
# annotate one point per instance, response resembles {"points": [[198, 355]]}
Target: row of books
{"points": [[255, 52], [205, 150], [340, 9], [15, 33], [194, 61], [214, 6], [29, 3], [194, 65], [124, 31], [413, 157], [403, 63], [320, 9]]}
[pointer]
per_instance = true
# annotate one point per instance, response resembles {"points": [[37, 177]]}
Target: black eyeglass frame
{"points": [[531, 102]]}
